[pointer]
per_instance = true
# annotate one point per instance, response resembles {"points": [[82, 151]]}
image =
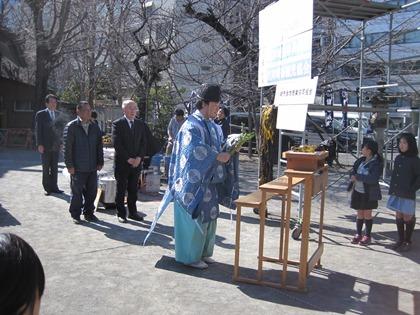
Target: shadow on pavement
{"points": [[377, 299], [109, 209], [378, 217], [150, 196], [414, 253], [160, 237], [63, 196], [13, 159], [346, 232], [6, 219], [7, 166], [253, 219]]}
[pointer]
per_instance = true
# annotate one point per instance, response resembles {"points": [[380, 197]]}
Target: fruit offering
{"points": [[304, 148]]}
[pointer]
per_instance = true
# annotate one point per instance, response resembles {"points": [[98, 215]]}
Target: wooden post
{"points": [[321, 212], [238, 239], [282, 226], [303, 266], [287, 231], [262, 211]]}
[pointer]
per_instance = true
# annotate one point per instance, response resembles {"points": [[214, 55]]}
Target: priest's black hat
{"points": [[210, 93]]}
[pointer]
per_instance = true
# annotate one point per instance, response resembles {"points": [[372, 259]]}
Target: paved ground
{"points": [[101, 268]]}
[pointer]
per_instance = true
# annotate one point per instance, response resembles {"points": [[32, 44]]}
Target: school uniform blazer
{"points": [[405, 179], [371, 180]]}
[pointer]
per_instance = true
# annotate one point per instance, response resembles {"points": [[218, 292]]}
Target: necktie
{"points": [[52, 115], [131, 124]]}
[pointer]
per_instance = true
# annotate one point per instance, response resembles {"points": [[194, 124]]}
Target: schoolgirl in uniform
{"points": [[405, 181], [366, 191]]}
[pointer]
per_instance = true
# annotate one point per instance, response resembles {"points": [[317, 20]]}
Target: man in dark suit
{"points": [[83, 155], [48, 132], [129, 136]]}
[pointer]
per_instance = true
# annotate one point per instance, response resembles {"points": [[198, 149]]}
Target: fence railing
{"points": [[16, 137]]}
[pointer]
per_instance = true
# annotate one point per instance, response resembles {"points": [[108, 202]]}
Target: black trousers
{"points": [[49, 170], [84, 186], [127, 180]]}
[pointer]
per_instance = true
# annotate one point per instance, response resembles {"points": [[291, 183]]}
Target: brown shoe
{"points": [[356, 239], [365, 240]]}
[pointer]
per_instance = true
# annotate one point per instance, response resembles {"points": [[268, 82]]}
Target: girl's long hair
{"points": [[412, 144]]}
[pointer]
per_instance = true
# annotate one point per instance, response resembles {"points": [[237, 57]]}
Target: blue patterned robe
{"points": [[197, 181]]}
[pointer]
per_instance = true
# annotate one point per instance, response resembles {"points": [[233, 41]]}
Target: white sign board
{"points": [[285, 41], [300, 91], [292, 117]]}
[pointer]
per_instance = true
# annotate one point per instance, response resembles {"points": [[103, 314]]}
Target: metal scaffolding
{"points": [[363, 11]]}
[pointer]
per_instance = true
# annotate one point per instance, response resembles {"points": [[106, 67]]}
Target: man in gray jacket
{"points": [[83, 156]]}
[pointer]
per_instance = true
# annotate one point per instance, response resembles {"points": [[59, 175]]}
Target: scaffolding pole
{"points": [[388, 81], [362, 56]]}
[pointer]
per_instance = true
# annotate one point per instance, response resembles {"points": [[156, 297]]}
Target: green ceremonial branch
{"points": [[243, 138]]}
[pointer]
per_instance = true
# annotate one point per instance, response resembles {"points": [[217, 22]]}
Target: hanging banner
{"points": [[328, 101], [344, 98], [285, 41]]}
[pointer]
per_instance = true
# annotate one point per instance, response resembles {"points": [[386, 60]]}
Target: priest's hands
{"points": [[223, 157]]}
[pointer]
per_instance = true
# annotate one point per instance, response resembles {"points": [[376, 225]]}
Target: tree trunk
{"points": [[91, 38], [46, 45], [91, 77], [42, 75], [250, 128]]}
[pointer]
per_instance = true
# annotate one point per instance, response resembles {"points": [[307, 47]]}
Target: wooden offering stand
{"points": [[304, 168]]}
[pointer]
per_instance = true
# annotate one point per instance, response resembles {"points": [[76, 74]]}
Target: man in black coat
{"points": [[130, 139], [48, 132], [83, 156]]}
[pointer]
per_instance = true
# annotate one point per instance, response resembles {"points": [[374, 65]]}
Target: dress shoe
{"points": [[135, 217], [208, 260], [91, 217], [47, 193], [198, 265], [57, 191], [77, 220], [121, 219]]}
